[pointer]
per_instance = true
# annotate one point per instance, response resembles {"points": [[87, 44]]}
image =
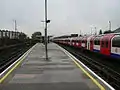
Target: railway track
{"points": [[99, 66], [8, 56]]}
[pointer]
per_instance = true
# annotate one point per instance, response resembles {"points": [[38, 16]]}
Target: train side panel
{"points": [[115, 46]]}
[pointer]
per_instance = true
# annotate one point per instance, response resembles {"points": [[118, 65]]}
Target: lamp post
{"points": [[46, 37]]}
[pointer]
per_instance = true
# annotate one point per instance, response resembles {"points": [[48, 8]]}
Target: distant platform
{"points": [[60, 72]]}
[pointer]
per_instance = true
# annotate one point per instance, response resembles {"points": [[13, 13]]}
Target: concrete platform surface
{"points": [[59, 73]]}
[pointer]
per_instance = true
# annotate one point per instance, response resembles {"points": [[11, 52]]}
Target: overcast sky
{"points": [[67, 16]]}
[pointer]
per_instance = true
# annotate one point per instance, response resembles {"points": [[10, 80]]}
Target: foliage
{"points": [[100, 32], [22, 36], [109, 31], [36, 35]]}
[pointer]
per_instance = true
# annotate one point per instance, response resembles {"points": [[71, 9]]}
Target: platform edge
{"points": [[75, 59], [14, 65]]}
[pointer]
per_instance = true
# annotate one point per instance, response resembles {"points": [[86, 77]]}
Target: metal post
{"points": [[95, 31], [46, 51], [80, 33], [110, 25], [15, 27]]}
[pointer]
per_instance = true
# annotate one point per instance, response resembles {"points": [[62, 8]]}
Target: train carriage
{"points": [[69, 41], [65, 41], [76, 41], [73, 41], [79, 41], [84, 42], [105, 44], [115, 46]]}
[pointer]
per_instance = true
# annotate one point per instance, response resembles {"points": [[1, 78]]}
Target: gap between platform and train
{"points": [[81, 65], [14, 65]]}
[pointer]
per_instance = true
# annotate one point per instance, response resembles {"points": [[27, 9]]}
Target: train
{"points": [[104, 44]]}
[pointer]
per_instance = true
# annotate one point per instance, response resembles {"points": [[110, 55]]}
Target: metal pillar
{"points": [[109, 25], [15, 27], [46, 40]]}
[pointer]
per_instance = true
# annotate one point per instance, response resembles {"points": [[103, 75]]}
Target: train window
{"points": [[102, 43], [77, 41], [116, 42], [83, 41], [74, 40], [97, 42], [106, 43], [90, 42]]}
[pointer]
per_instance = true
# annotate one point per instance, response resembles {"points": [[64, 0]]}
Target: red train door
{"points": [[102, 46], [78, 43], [91, 45], [85, 43], [106, 44], [105, 47], [75, 43]]}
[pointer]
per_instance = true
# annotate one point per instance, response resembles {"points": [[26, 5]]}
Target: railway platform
{"points": [[60, 72]]}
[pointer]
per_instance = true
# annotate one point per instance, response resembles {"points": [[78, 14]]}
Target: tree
{"points": [[109, 31], [100, 32], [37, 36], [22, 36]]}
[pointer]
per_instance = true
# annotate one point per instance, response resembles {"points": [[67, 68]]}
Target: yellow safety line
{"points": [[94, 80], [78, 65], [7, 74]]}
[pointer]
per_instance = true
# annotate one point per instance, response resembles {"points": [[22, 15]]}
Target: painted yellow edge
{"points": [[94, 80], [7, 74]]}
